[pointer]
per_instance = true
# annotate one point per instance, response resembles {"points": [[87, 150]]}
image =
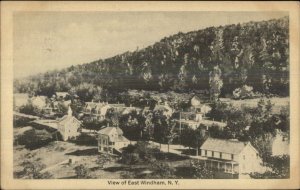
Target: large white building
{"points": [[231, 156], [68, 126], [110, 138]]}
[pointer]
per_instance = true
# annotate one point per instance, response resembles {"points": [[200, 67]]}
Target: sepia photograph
{"points": [[149, 96]]}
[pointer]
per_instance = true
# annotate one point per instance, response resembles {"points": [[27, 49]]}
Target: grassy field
{"points": [[278, 103], [55, 156]]}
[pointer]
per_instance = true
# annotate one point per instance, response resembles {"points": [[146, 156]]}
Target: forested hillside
{"points": [[254, 54]]}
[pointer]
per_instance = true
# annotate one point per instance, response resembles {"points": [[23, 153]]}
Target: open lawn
{"points": [[278, 103], [56, 155]]}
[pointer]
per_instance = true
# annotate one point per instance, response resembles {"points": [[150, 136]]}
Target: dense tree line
{"points": [[223, 58]]}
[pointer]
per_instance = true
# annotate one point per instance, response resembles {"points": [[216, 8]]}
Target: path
{"points": [[25, 115], [176, 149]]}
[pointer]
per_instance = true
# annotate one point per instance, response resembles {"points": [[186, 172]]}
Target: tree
{"points": [[161, 170], [263, 144], [82, 172], [215, 83], [61, 109], [32, 169], [104, 159], [86, 91], [243, 92], [200, 171], [93, 124], [149, 127], [193, 137], [30, 109], [33, 139], [169, 132], [280, 168]]}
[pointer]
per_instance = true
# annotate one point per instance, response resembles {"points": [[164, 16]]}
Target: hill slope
{"points": [[254, 53]]}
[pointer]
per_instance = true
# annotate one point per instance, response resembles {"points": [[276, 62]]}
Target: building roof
{"points": [[47, 122], [205, 122], [195, 101], [121, 138], [223, 145], [128, 110], [67, 118], [108, 130], [117, 105], [93, 105], [62, 94]]}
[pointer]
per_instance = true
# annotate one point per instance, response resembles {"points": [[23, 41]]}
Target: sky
{"points": [[46, 41]]}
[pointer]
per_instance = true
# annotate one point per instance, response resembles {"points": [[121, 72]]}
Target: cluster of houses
{"points": [[229, 156], [49, 106]]}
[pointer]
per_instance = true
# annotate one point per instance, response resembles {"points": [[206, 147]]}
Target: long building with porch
{"points": [[231, 156]]}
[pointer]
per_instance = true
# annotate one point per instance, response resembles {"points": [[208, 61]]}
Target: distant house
{"points": [[197, 107], [98, 110], [165, 108], [39, 101], [195, 116], [280, 145], [128, 110], [231, 156], [93, 109], [20, 99], [62, 95], [110, 138], [195, 123], [68, 126]]}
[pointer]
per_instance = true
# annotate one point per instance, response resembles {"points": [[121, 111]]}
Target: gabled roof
{"points": [[108, 130], [128, 110], [117, 105], [67, 118], [195, 101], [223, 145]]}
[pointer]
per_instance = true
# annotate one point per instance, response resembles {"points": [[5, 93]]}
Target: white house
{"points": [[68, 126], [281, 144], [197, 107], [110, 138], [62, 95], [231, 156]]}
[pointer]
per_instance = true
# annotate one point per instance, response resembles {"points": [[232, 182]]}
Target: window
{"points": [[205, 152], [221, 155], [212, 154], [232, 156]]}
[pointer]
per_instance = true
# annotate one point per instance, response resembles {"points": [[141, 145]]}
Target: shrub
{"points": [[21, 121], [140, 152], [243, 92], [33, 139], [85, 139], [32, 169], [30, 109], [82, 172], [200, 171]]}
